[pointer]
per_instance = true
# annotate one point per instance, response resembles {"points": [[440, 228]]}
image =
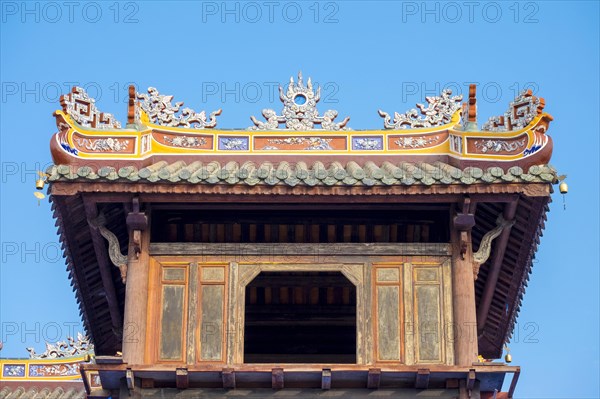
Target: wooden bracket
{"points": [[182, 380], [137, 222], [513, 383], [374, 378], [277, 378], [114, 247], [464, 222], [485, 247], [422, 380], [471, 379], [130, 379], [464, 243], [326, 379], [228, 376]]}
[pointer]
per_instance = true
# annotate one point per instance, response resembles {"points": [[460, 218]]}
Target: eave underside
{"points": [[71, 197]]}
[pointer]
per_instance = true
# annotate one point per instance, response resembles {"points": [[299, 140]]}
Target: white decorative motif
{"points": [[311, 143], [185, 141], [438, 112], [299, 110], [53, 370], [106, 145], [367, 143], [415, 142], [14, 370], [498, 145], [162, 112], [82, 108], [520, 113], [64, 349], [233, 143]]}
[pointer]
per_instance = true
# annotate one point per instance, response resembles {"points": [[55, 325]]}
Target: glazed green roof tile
{"points": [[336, 174]]}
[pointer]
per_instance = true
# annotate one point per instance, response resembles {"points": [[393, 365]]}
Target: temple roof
{"points": [[165, 150]]}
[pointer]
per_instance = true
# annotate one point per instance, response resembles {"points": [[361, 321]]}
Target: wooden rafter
{"points": [[494, 271], [91, 212]]}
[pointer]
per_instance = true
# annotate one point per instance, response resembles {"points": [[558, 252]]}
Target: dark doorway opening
{"points": [[300, 317]]}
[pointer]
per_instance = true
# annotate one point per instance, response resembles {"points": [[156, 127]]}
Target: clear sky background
{"points": [[366, 56]]}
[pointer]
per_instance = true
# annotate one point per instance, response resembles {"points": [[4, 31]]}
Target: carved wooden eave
{"points": [[266, 380], [78, 194], [485, 246], [114, 248], [158, 131]]}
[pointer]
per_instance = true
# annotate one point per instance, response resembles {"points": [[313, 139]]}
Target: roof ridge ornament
{"points": [[521, 111], [62, 349], [82, 108], [299, 110], [439, 111], [161, 111]]}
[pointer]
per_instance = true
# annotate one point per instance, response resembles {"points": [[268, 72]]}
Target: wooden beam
{"points": [[182, 380], [184, 192], [471, 379], [510, 210], [374, 378], [277, 378], [422, 380], [513, 383], [251, 249], [105, 265], [326, 379], [228, 376], [297, 206], [69, 234]]}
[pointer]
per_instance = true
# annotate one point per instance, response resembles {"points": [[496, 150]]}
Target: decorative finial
{"points": [[469, 116], [82, 108], [162, 112], [299, 110], [520, 113], [439, 111]]}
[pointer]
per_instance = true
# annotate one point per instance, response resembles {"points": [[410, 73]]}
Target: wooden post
{"points": [[136, 294], [463, 288]]}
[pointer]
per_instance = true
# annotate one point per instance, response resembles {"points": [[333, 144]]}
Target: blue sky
{"points": [[366, 56]]}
